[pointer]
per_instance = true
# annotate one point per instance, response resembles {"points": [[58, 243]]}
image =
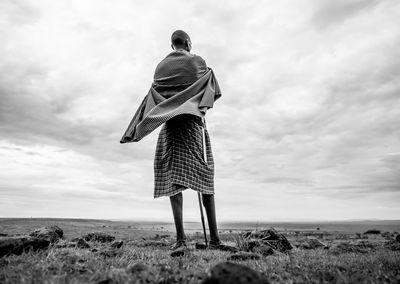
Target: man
{"points": [[179, 162], [184, 88]]}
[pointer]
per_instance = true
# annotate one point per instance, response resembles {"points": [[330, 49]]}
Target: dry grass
{"points": [[135, 264]]}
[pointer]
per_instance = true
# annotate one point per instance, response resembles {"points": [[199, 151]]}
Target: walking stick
{"points": [[198, 193], [202, 218]]}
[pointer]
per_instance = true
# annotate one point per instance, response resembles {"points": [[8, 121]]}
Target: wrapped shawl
{"points": [[172, 100], [182, 91]]}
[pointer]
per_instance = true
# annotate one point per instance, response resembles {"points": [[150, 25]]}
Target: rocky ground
{"points": [[45, 254]]}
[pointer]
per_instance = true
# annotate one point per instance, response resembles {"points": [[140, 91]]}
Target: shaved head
{"points": [[180, 39]]}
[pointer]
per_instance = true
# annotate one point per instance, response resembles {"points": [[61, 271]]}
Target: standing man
{"points": [[184, 88], [179, 161]]}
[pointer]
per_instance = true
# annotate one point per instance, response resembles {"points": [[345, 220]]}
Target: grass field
{"points": [[136, 263]]}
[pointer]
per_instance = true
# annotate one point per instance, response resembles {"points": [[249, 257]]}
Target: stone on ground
{"points": [[263, 250], [82, 244], [372, 232], [269, 237], [38, 239], [20, 244], [50, 233], [243, 256], [393, 245], [233, 273], [98, 237], [178, 252]]}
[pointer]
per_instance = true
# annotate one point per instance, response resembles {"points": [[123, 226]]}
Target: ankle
{"points": [[215, 241], [181, 239]]}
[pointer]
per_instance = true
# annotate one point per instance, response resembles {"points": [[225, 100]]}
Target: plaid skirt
{"points": [[179, 161]]}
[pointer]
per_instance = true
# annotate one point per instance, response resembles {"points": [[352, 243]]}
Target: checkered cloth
{"points": [[179, 161]]}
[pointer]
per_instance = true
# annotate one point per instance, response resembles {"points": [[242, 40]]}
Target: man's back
{"points": [[177, 71]]}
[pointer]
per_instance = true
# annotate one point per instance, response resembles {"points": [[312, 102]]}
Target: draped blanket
{"points": [[157, 109]]}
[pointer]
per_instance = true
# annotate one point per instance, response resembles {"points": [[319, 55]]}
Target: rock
{"points": [[269, 234], [117, 244], [270, 238], [82, 244], [65, 244], [233, 273], [263, 250], [51, 233], [228, 248], [75, 242], [61, 244], [311, 244], [387, 235], [259, 247], [3, 235], [20, 244], [372, 232], [243, 256], [250, 245], [393, 245], [98, 237], [178, 252]]}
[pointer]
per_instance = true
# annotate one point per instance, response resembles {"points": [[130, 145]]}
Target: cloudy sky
{"points": [[307, 128]]}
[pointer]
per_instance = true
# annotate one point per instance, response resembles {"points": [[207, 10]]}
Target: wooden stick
{"points": [[202, 218], [198, 193]]}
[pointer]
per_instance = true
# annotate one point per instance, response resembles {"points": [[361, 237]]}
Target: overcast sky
{"points": [[307, 127]]}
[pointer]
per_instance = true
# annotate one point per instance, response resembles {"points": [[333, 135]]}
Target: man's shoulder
{"points": [[174, 55], [199, 58], [181, 59], [180, 67]]}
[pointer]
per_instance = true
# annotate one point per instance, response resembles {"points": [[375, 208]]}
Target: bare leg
{"points": [[209, 205], [176, 204]]}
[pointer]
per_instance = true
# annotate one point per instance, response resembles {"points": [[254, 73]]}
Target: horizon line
{"points": [[222, 221]]}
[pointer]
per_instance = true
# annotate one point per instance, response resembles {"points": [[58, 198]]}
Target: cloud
{"points": [[329, 13], [309, 111], [19, 12]]}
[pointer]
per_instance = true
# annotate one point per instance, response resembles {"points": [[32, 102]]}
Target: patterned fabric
{"points": [[184, 88], [171, 96], [179, 161]]}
